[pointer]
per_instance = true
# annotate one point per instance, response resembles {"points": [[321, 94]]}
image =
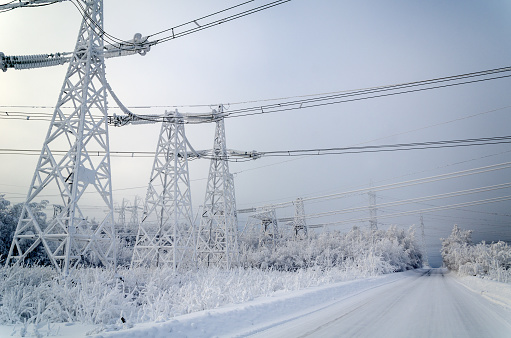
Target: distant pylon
{"points": [[373, 221], [134, 218], [299, 224], [165, 235], [74, 236], [217, 236], [263, 224], [121, 218], [425, 261]]}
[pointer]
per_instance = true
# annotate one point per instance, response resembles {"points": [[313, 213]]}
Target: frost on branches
{"points": [[380, 251], [39, 295], [9, 215], [492, 261]]}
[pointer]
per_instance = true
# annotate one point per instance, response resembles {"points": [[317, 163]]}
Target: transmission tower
{"points": [[425, 261], [217, 237], [373, 221], [121, 218], [165, 235], [72, 236], [263, 226], [134, 218], [299, 224]]}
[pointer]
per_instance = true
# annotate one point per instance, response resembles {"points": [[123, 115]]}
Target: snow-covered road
{"points": [[430, 303], [418, 303]]}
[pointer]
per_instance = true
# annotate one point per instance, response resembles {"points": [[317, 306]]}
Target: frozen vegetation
{"points": [[37, 294], [35, 297], [492, 261], [98, 296]]}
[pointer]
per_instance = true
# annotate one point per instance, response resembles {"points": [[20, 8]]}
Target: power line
{"points": [[403, 184], [415, 212], [184, 29], [413, 200], [302, 152], [389, 147], [349, 97], [314, 100]]}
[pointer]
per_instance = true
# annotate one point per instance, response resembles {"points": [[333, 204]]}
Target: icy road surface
{"points": [[419, 303], [429, 304]]}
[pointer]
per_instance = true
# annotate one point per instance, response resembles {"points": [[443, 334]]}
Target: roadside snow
{"points": [[260, 313], [257, 314], [496, 292]]}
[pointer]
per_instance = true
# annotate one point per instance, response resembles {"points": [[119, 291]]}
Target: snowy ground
{"points": [[413, 303]]}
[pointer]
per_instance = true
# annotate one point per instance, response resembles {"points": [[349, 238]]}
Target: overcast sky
{"points": [[298, 48]]}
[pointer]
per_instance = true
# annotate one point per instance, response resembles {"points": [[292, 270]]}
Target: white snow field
{"points": [[415, 303]]}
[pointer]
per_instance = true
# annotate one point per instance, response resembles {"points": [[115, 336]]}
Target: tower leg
{"points": [[81, 176]]}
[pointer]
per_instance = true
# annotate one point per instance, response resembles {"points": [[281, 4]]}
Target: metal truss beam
{"points": [[217, 239], [263, 226], [299, 224], [74, 236], [165, 235]]}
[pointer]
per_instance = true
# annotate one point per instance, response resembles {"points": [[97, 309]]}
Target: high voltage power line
{"points": [[414, 200], [302, 152], [420, 211], [187, 28], [402, 184], [304, 101]]}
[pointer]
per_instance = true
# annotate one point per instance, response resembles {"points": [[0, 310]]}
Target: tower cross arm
{"points": [[33, 61], [137, 45]]}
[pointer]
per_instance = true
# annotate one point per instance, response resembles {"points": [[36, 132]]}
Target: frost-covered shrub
{"points": [[98, 296], [394, 249], [9, 215], [491, 261]]}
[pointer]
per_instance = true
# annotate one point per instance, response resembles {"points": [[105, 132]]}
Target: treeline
{"points": [[380, 251], [492, 261], [38, 295]]}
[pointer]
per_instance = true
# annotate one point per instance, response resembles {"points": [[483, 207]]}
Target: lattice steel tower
{"points": [[165, 234], [264, 226], [81, 175], [425, 261], [299, 224], [73, 236], [217, 237], [373, 220]]}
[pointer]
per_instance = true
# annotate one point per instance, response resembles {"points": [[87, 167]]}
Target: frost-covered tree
{"points": [[454, 247], [485, 260], [9, 215], [373, 251]]}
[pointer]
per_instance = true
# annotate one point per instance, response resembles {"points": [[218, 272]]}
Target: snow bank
{"points": [[496, 292], [258, 314]]}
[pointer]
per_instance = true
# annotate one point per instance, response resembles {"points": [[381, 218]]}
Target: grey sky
{"points": [[299, 48]]}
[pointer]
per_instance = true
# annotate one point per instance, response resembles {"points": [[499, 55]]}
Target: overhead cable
{"points": [[421, 211], [413, 200], [237, 156]]}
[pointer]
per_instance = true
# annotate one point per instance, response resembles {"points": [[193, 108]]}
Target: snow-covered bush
{"points": [[38, 295], [491, 261], [9, 215], [391, 250]]}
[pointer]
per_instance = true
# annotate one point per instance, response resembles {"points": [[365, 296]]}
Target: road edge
{"points": [[496, 292]]}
